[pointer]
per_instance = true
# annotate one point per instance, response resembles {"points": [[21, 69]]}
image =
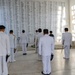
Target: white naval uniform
{"points": [[66, 42], [12, 46], [24, 41], [35, 41], [4, 50], [46, 47], [38, 38]]}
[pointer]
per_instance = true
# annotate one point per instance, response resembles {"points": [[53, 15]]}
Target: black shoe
{"points": [[24, 53], [43, 73]]}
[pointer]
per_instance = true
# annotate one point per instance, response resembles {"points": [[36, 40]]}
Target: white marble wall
{"points": [[29, 15]]}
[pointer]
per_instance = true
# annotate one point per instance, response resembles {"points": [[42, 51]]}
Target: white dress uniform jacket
{"points": [[4, 50], [24, 38], [4, 44], [66, 38], [46, 47], [66, 42]]}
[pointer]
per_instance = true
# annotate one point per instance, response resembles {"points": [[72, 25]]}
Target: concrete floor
{"points": [[29, 64]]}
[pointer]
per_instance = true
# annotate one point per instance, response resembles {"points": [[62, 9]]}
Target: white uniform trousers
{"points": [[67, 51], [12, 55], [39, 56], [3, 66], [24, 48], [46, 64]]}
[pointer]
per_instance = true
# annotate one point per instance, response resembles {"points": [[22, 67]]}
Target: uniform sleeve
{"points": [[8, 45], [52, 46], [40, 46]]}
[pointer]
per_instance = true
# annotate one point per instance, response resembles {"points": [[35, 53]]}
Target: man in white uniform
{"points": [[40, 34], [35, 40], [46, 48], [66, 42], [12, 45], [4, 50], [24, 42]]}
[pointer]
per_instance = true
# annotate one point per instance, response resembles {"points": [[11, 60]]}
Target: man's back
{"points": [[4, 44], [67, 38], [47, 44], [23, 38]]}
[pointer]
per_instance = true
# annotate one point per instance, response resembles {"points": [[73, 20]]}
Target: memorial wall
{"points": [[31, 15]]}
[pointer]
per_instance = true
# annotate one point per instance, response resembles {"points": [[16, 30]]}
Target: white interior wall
{"points": [[72, 18], [14, 15], [72, 3], [67, 5]]}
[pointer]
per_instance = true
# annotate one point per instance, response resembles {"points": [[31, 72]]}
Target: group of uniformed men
{"points": [[44, 45], [8, 47]]}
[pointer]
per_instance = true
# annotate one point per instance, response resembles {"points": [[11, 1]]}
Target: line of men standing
{"points": [[7, 49]]}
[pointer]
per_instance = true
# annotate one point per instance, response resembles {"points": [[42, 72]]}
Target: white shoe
{"points": [[14, 60]]}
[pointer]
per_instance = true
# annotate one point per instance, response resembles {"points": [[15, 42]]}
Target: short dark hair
{"points": [[39, 30], [23, 31], [66, 29], [11, 31], [45, 31], [36, 30], [2, 27], [51, 32]]}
